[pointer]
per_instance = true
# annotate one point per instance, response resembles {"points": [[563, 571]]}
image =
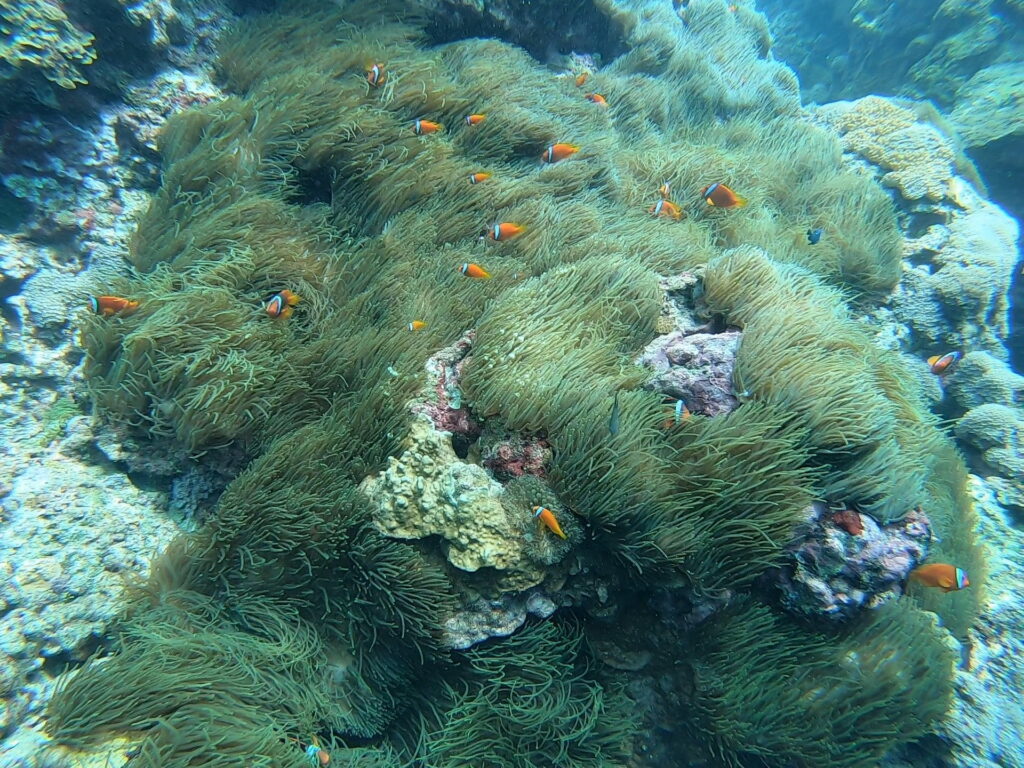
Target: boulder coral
{"points": [[331, 602]]}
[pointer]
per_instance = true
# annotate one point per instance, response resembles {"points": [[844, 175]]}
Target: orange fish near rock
{"points": [[547, 517], [505, 230], [942, 575], [376, 75], [680, 413], [421, 127], [474, 119], [942, 364], [666, 208], [581, 78], [281, 304], [556, 152], [473, 270], [721, 196], [112, 305]]}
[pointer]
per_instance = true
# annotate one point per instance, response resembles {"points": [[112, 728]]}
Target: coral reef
{"points": [[429, 491], [696, 368], [383, 516], [38, 35], [916, 159], [840, 567]]}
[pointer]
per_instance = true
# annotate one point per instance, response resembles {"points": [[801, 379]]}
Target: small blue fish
{"points": [[814, 235], [613, 421]]}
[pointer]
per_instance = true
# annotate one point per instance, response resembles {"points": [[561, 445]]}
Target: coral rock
{"points": [[429, 491], [482, 619], [835, 573], [696, 367], [916, 158], [512, 455], [444, 405]]}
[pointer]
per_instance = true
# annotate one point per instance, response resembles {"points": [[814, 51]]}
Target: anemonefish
{"points": [[664, 190], [721, 196], [557, 152], [667, 209], [581, 78], [598, 99], [941, 364], [547, 517], [473, 270], [112, 305], [317, 755], [942, 575], [416, 325], [476, 178], [282, 304], [474, 119], [505, 230], [680, 413], [426, 126], [376, 75]]}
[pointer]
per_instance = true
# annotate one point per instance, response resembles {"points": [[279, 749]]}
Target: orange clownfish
{"points": [[421, 127], [112, 305], [416, 325], [317, 755], [666, 208], [473, 270], [476, 178], [557, 152], [282, 304], [664, 190], [941, 364], [505, 230], [721, 196], [376, 75], [581, 78], [598, 99], [474, 119], [547, 517], [680, 413], [942, 575]]}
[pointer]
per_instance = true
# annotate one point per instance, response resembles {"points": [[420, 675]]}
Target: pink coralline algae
{"points": [[834, 573], [509, 456], [446, 409], [695, 367]]}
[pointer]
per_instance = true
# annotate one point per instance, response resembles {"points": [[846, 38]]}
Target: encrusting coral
{"points": [[313, 178]]}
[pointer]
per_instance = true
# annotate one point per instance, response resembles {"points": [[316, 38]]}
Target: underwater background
{"points": [[451, 384]]}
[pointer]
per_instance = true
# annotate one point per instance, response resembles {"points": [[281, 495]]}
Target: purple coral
{"points": [[509, 456], [835, 573], [446, 410], [695, 367]]}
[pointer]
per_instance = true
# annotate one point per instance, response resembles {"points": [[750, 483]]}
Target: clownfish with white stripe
{"points": [[282, 304]]}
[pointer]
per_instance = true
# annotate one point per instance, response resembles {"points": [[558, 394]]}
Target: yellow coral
{"points": [[917, 158]]}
